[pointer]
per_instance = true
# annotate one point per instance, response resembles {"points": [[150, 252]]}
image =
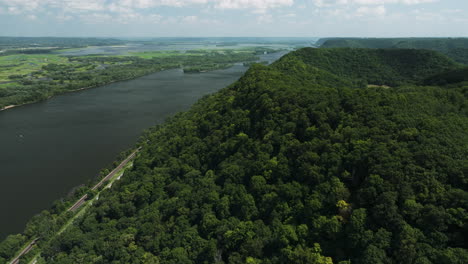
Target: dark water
{"points": [[49, 147]]}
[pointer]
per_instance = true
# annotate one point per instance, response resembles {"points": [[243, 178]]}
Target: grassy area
{"points": [[27, 78], [8, 85], [23, 64]]}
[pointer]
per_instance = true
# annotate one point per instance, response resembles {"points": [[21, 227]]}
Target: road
{"points": [[80, 202], [24, 251], [114, 171], [109, 176]]}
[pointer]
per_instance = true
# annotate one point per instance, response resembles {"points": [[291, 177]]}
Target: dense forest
{"points": [[377, 66], [455, 48], [298, 162]]}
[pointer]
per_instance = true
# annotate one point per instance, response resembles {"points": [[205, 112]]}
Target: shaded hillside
{"points": [[374, 66], [448, 77], [291, 164], [455, 48], [371, 43]]}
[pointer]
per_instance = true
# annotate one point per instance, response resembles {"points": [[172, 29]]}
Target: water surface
{"points": [[49, 147]]}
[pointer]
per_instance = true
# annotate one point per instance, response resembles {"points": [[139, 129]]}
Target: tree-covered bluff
{"points": [[455, 48], [294, 163], [375, 66]]}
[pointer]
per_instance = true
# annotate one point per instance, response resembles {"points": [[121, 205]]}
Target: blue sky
{"points": [[198, 18]]}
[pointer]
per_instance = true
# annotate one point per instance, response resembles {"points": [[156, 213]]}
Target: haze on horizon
{"points": [[229, 18]]}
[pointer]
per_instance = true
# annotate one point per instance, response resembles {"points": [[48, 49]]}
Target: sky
{"points": [[234, 18]]}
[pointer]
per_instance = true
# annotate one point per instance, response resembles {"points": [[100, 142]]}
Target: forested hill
{"points": [[455, 48], [374, 66], [291, 164], [448, 77]]}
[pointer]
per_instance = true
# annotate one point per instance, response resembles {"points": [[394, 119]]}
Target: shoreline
{"points": [[77, 90], [111, 82], [91, 87], [9, 107]]}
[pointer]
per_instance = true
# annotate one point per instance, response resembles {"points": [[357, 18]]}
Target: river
{"points": [[50, 147]]}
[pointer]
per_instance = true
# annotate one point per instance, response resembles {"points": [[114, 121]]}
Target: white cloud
{"points": [[84, 5], [143, 4], [265, 19], [23, 6], [452, 11], [339, 12], [323, 3], [190, 19], [63, 17], [259, 11], [118, 8], [154, 18], [133, 11], [19, 6], [126, 11], [421, 15], [289, 15], [95, 18], [14, 10], [256, 4], [371, 11], [119, 5], [350, 9], [383, 2], [327, 3]]}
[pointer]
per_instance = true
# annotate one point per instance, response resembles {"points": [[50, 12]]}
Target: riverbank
{"points": [[89, 127], [79, 207], [83, 88], [8, 107], [107, 83], [39, 75]]}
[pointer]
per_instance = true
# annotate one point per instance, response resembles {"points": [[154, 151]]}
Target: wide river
{"points": [[50, 147]]}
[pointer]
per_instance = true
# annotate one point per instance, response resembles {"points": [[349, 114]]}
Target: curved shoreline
{"points": [[97, 86], [91, 124], [127, 79], [8, 107], [80, 89]]}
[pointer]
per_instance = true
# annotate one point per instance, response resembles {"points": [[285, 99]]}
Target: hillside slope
{"points": [[375, 66], [291, 164], [455, 48], [448, 77]]}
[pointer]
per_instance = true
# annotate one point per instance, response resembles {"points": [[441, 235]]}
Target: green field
{"points": [[24, 64], [27, 78]]}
